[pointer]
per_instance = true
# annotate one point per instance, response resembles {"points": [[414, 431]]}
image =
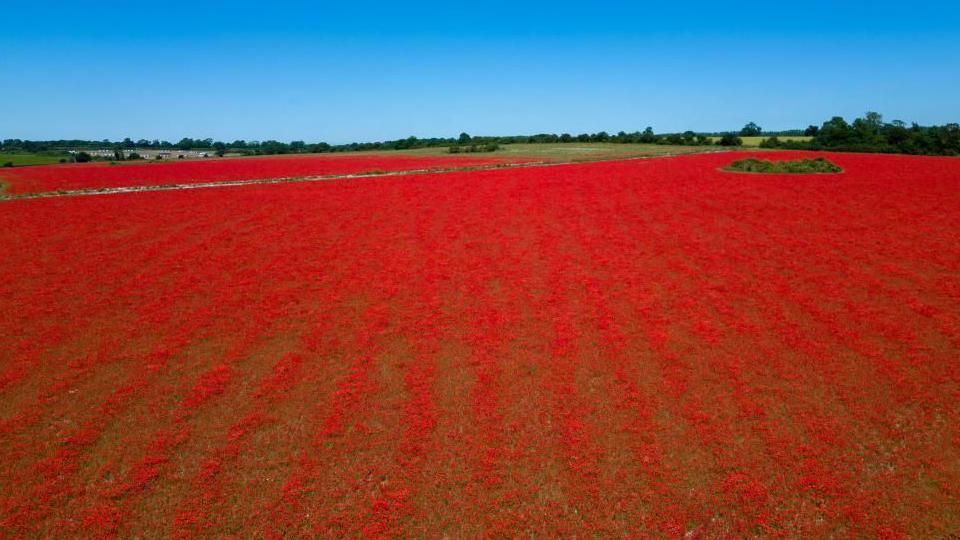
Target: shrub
{"points": [[801, 166], [82, 157], [8, 164], [730, 140], [772, 142]]}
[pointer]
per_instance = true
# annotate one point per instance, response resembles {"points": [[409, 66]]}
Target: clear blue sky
{"points": [[356, 70]]}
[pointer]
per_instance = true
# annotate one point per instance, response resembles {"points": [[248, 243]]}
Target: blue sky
{"points": [[356, 71]]}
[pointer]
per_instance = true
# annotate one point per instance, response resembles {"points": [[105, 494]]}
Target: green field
{"points": [[755, 141], [20, 160], [562, 151], [541, 151]]}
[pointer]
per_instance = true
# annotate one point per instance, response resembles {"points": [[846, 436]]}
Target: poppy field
{"points": [[638, 348], [102, 174]]}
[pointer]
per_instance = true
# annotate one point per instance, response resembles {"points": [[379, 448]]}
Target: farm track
{"points": [[640, 348]]}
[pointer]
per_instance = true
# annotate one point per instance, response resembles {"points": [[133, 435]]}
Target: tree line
{"points": [[871, 134], [646, 136], [867, 134]]}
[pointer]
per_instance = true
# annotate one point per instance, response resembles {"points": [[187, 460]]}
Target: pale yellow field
{"points": [[755, 141]]}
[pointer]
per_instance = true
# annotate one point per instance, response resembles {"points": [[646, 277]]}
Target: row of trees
{"points": [[647, 136], [867, 134], [871, 134]]}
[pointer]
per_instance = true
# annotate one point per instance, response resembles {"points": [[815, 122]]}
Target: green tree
{"points": [[834, 132], [751, 130]]}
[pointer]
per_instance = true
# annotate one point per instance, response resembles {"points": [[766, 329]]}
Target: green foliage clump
{"points": [[800, 166], [771, 142], [751, 130], [730, 139], [872, 134]]}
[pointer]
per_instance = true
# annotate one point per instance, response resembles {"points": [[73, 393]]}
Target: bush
{"points": [[772, 142], [801, 166], [453, 149], [8, 164], [82, 157], [730, 140]]}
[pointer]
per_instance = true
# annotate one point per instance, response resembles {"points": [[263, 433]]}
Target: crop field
{"points": [[591, 151], [102, 174], [623, 348], [754, 141], [30, 159]]}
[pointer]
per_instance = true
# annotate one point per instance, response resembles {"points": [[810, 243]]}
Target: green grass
{"points": [[565, 151], [554, 152], [754, 142], [591, 151], [20, 160], [798, 166]]}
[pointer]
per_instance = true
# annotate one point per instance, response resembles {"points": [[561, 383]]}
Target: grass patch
{"points": [[553, 152], [19, 160], [800, 166], [561, 152]]}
